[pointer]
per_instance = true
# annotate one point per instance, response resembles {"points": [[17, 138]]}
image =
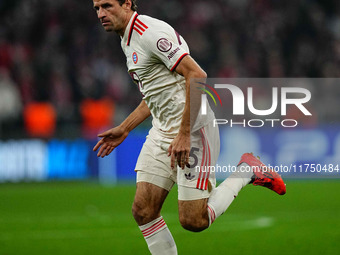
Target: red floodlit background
{"points": [[62, 75]]}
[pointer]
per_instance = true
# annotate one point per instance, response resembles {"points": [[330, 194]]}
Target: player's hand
{"points": [[179, 151], [110, 140]]}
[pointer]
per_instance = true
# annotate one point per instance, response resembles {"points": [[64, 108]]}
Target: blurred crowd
{"points": [[56, 52]]}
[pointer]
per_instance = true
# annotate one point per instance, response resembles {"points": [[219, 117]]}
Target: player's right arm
{"points": [[115, 136]]}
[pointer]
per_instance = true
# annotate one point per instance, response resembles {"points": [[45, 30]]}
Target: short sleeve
{"points": [[170, 49]]}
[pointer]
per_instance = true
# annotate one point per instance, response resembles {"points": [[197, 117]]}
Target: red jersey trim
{"points": [[138, 26], [141, 23], [178, 61], [136, 29], [132, 25]]}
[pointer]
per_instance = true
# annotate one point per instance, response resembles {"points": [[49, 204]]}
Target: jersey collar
{"points": [[129, 29]]}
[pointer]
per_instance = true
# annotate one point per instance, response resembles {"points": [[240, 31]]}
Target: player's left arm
{"points": [[179, 148]]}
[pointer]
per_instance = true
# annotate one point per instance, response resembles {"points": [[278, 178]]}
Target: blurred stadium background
{"points": [[63, 80]]}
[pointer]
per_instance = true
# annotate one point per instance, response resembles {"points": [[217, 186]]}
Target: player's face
{"points": [[112, 16]]}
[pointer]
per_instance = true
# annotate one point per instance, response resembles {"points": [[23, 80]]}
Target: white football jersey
{"points": [[153, 49]]}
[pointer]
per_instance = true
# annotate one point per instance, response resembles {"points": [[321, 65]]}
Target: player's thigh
{"points": [[192, 203], [150, 195], [193, 215], [193, 209], [197, 181], [148, 202]]}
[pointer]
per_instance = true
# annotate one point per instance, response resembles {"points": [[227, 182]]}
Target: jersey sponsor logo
{"points": [[173, 53], [164, 45], [134, 57]]}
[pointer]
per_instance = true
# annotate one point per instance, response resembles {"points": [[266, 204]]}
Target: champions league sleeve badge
{"points": [[164, 45]]}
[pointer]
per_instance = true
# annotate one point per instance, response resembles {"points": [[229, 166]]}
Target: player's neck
{"points": [[126, 22]]}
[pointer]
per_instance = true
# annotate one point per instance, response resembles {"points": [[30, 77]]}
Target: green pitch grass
{"points": [[86, 218]]}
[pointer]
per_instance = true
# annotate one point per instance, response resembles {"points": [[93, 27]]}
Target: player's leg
{"points": [[198, 207], [154, 181], [193, 215], [195, 184], [146, 209], [198, 214], [249, 170], [148, 202]]}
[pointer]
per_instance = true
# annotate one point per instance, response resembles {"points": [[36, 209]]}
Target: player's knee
{"points": [[193, 224], [138, 212], [143, 214]]}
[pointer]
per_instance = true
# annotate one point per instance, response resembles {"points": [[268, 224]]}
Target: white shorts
{"points": [[154, 165]]}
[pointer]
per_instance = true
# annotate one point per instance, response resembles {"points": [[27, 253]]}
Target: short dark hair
{"points": [[133, 2]]}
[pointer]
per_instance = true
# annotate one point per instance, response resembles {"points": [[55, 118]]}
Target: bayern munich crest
{"points": [[164, 45], [134, 57]]}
